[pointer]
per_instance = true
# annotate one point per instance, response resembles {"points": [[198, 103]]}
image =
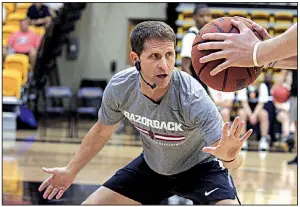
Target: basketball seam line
{"points": [[225, 79], [203, 66], [218, 28], [230, 30], [249, 73]]}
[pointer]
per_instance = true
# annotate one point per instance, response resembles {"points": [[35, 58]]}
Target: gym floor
{"points": [[263, 179]]}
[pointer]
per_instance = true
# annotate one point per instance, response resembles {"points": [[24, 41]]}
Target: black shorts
{"points": [[202, 183]]}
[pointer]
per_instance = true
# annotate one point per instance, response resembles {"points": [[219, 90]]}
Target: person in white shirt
{"points": [[253, 99], [201, 16], [223, 101]]}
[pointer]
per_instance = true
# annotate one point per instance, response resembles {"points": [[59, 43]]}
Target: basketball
{"points": [[230, 79], [280, 94]]}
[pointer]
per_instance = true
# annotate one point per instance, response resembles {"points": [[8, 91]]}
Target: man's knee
{"points": [[105, 196]]}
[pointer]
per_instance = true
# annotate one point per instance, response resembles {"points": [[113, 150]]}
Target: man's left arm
{"points": [[222, 142], [231, 164]]}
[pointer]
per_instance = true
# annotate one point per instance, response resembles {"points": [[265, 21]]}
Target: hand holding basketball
{"points": [[230, 143], [216, 55], [237, 49], [59, 181], [258, 28]]}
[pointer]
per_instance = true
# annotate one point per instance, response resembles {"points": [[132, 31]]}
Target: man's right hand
{"points": [[59, 181]]}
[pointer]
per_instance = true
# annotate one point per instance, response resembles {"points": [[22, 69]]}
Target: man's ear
{"points": [[134, 57]]}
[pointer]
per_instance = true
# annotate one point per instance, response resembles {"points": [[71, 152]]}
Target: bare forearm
{"points": [[34, 21], [278, 48], [234, 164], [90, 146], [287, 63], [39, 21]]}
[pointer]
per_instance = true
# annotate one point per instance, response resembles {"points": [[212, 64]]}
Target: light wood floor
{"points": [[264, 178]]}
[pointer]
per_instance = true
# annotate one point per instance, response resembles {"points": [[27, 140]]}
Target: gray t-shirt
{"points": [[174, 131]]}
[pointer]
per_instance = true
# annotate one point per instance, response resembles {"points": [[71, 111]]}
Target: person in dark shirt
{"points": [[39, 15]]}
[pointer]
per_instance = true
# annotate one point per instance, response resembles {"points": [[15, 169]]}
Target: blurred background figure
{"points": [[23, 42], [57, 60], [224, 102], [54, 8], [39, 15], [289, 79], [201, 16], [252, 112]]}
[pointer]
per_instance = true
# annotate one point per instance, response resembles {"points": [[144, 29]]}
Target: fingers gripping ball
{"points": [[230, 79]]}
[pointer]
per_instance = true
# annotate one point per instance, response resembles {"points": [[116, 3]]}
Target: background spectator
{"points": [[253, 99], [23, 41], [39, 15], [223, 101]]}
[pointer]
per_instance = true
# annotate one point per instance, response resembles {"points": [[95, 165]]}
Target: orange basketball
{"points": [[230, 79], [280, 94]]}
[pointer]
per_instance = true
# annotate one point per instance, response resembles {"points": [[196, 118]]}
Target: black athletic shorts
{"points": [[202, 183]]}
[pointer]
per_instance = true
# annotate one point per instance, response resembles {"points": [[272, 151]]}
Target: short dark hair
{"points": [[198, 7], [150, 30]]}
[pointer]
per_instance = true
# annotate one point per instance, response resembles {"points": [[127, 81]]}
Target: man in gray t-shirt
{"points": [[172, 130], [185, 150]]}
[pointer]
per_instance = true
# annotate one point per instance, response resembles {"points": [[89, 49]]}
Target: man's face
{"points": [[24, 25], [202, 17], [158, 61]]}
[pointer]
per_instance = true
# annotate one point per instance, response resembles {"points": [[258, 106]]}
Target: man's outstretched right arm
{"points": [[62, 177], [92, 143]]}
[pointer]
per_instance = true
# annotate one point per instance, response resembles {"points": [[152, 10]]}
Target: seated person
{"points": [[283, 117], [281, 111], [252, 100], [39, 15], [223, 101], [23, 41]]}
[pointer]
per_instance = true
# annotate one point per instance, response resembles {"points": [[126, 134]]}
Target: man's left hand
{"points": [[230, 143]]}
